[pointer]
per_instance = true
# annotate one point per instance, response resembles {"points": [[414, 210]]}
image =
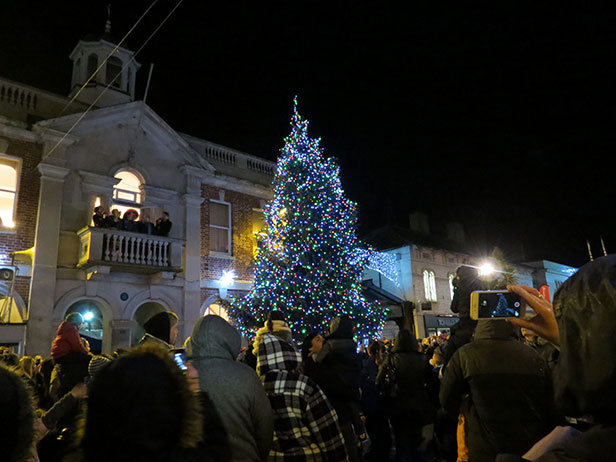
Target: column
{"points": [[192, 262], [44, 266]]}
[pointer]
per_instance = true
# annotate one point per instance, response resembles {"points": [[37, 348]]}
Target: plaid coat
{"points": [[305, 424]]}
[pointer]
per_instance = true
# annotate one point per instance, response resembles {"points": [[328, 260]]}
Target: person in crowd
{"points": [[509, 403], [465, 282], [372, 405], [114, 220], [141, 407], [275, 324], [45, 401], [233, 387], [129, 221], [10, 359], [338, 373], [161, 329], [546, 350], [99, 218], [18, 416], [70, 355], [310, 345], [305, 425], [581, 322], [27, 365], [163, 225], [409, 405]]}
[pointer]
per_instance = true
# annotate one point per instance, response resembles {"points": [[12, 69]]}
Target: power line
{"points": [[83, 114], [118, 45]]}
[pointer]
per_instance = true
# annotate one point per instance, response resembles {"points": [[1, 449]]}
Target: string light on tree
{"points": [[309, 262]]}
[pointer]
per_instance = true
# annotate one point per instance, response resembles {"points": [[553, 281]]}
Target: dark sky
{"points": [[499, 115]]}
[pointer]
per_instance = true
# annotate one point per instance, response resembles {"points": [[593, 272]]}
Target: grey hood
{"points": [[498, 329], [213, 337]]}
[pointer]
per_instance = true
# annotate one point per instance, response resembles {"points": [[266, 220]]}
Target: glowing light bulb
{"points": [[227, 278], [486, 269], [88, 316]]}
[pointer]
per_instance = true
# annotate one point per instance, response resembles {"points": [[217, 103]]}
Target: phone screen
{"points": [[180, 360], [501, 304]]}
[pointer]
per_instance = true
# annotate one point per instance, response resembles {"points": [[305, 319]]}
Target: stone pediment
{"points": [[127, 133]]}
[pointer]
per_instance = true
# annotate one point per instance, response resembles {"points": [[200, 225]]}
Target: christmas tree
{"points": [[309, 262]]}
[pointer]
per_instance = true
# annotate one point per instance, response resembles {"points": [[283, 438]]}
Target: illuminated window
{"points": [[114, 68], [430, 285], [220, 227], [258, 226], [218, 310], [451, 278], [127, 193], [9, 174]]}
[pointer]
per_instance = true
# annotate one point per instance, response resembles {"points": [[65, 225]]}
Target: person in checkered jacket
{"points": [[305, 424]]}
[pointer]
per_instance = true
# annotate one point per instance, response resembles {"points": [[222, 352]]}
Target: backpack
{"points": [[389, 386]]}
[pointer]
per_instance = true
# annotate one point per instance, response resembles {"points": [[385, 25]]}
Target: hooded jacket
{"points": [[233, 387], [510, 392], [16, 409], [585, 374], [305, 424], [67, 341]]}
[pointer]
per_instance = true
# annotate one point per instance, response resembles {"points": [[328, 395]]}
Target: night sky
{"points": [[499, 115]]}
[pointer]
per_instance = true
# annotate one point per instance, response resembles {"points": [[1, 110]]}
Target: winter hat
{"points": [[17, 413], [96, 364], [341, 328], [74, 318], [160, 324]]}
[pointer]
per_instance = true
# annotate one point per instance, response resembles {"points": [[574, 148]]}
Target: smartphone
{"points": [[180, 359], [487, 304]]}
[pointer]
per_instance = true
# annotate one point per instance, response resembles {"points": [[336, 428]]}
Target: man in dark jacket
{"points": [[509, 407], [338, 372]]}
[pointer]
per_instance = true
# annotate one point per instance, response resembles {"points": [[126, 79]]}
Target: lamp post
{"points": [[225, 281]]}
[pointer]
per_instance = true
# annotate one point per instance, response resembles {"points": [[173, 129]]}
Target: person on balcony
{"points": [[163, 225], [113, 220], [129, 221], [99, 218]]}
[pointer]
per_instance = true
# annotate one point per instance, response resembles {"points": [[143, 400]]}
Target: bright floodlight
{"points": [[486, 269], [88, 316], [227, 278]]}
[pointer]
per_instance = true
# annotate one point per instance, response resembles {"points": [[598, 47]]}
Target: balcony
{"points": [[132, 252]]}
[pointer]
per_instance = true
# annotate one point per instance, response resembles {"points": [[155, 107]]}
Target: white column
{"points": [[43, 284], [192, 262]]}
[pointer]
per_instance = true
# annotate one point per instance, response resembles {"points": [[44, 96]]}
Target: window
{"points": [[127, 193], [451, 278], [92, 66], [114, 68], [220, 227], [9, 175], [430, 285], [258, 226], [427, 256]]}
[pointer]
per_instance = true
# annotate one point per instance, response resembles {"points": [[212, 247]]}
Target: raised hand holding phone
{"points": [[544, 322]]}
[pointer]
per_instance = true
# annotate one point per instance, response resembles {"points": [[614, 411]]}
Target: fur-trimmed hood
{"points": [[140, 407], [279, 328]]}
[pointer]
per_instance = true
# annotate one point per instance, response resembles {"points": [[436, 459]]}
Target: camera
{"points": [[487, 304]]}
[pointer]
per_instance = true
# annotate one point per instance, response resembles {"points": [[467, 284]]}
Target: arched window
{"points": [[430, 285], [9, 168], [114, 68], [451, 278], [127, 193], [92, 65]]}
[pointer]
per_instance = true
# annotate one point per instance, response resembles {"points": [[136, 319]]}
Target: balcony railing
{"points": [[139, 252]]}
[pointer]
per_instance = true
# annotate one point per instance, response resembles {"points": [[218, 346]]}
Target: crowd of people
{"points": [[130, 221], [540, 389]]}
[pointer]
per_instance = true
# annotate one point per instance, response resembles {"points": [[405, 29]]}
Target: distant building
{"points": [[120, 155], [426, 266]]}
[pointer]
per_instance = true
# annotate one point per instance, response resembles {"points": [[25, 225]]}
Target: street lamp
{"points": [[225, 281], [486, 269]]}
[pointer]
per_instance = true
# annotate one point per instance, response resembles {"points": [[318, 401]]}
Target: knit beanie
{"points": [[96, 364]]}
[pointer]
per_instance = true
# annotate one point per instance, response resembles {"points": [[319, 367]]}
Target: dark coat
{"points": [[337, 371], [413, 376], [510, 392], [461, 334]]}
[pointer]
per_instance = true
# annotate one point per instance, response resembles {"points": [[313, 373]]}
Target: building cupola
{"points": [[119, 70]]}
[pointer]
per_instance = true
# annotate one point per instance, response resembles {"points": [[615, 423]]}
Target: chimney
{"points": [[418, 222], [455, 232]]}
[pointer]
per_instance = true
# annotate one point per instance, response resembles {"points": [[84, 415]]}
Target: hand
{"points": [[192, 375], [79, 391], [544, 323]]}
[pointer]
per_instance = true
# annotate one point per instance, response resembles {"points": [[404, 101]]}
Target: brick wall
{"points": [[243, 240], [22, 236]]}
